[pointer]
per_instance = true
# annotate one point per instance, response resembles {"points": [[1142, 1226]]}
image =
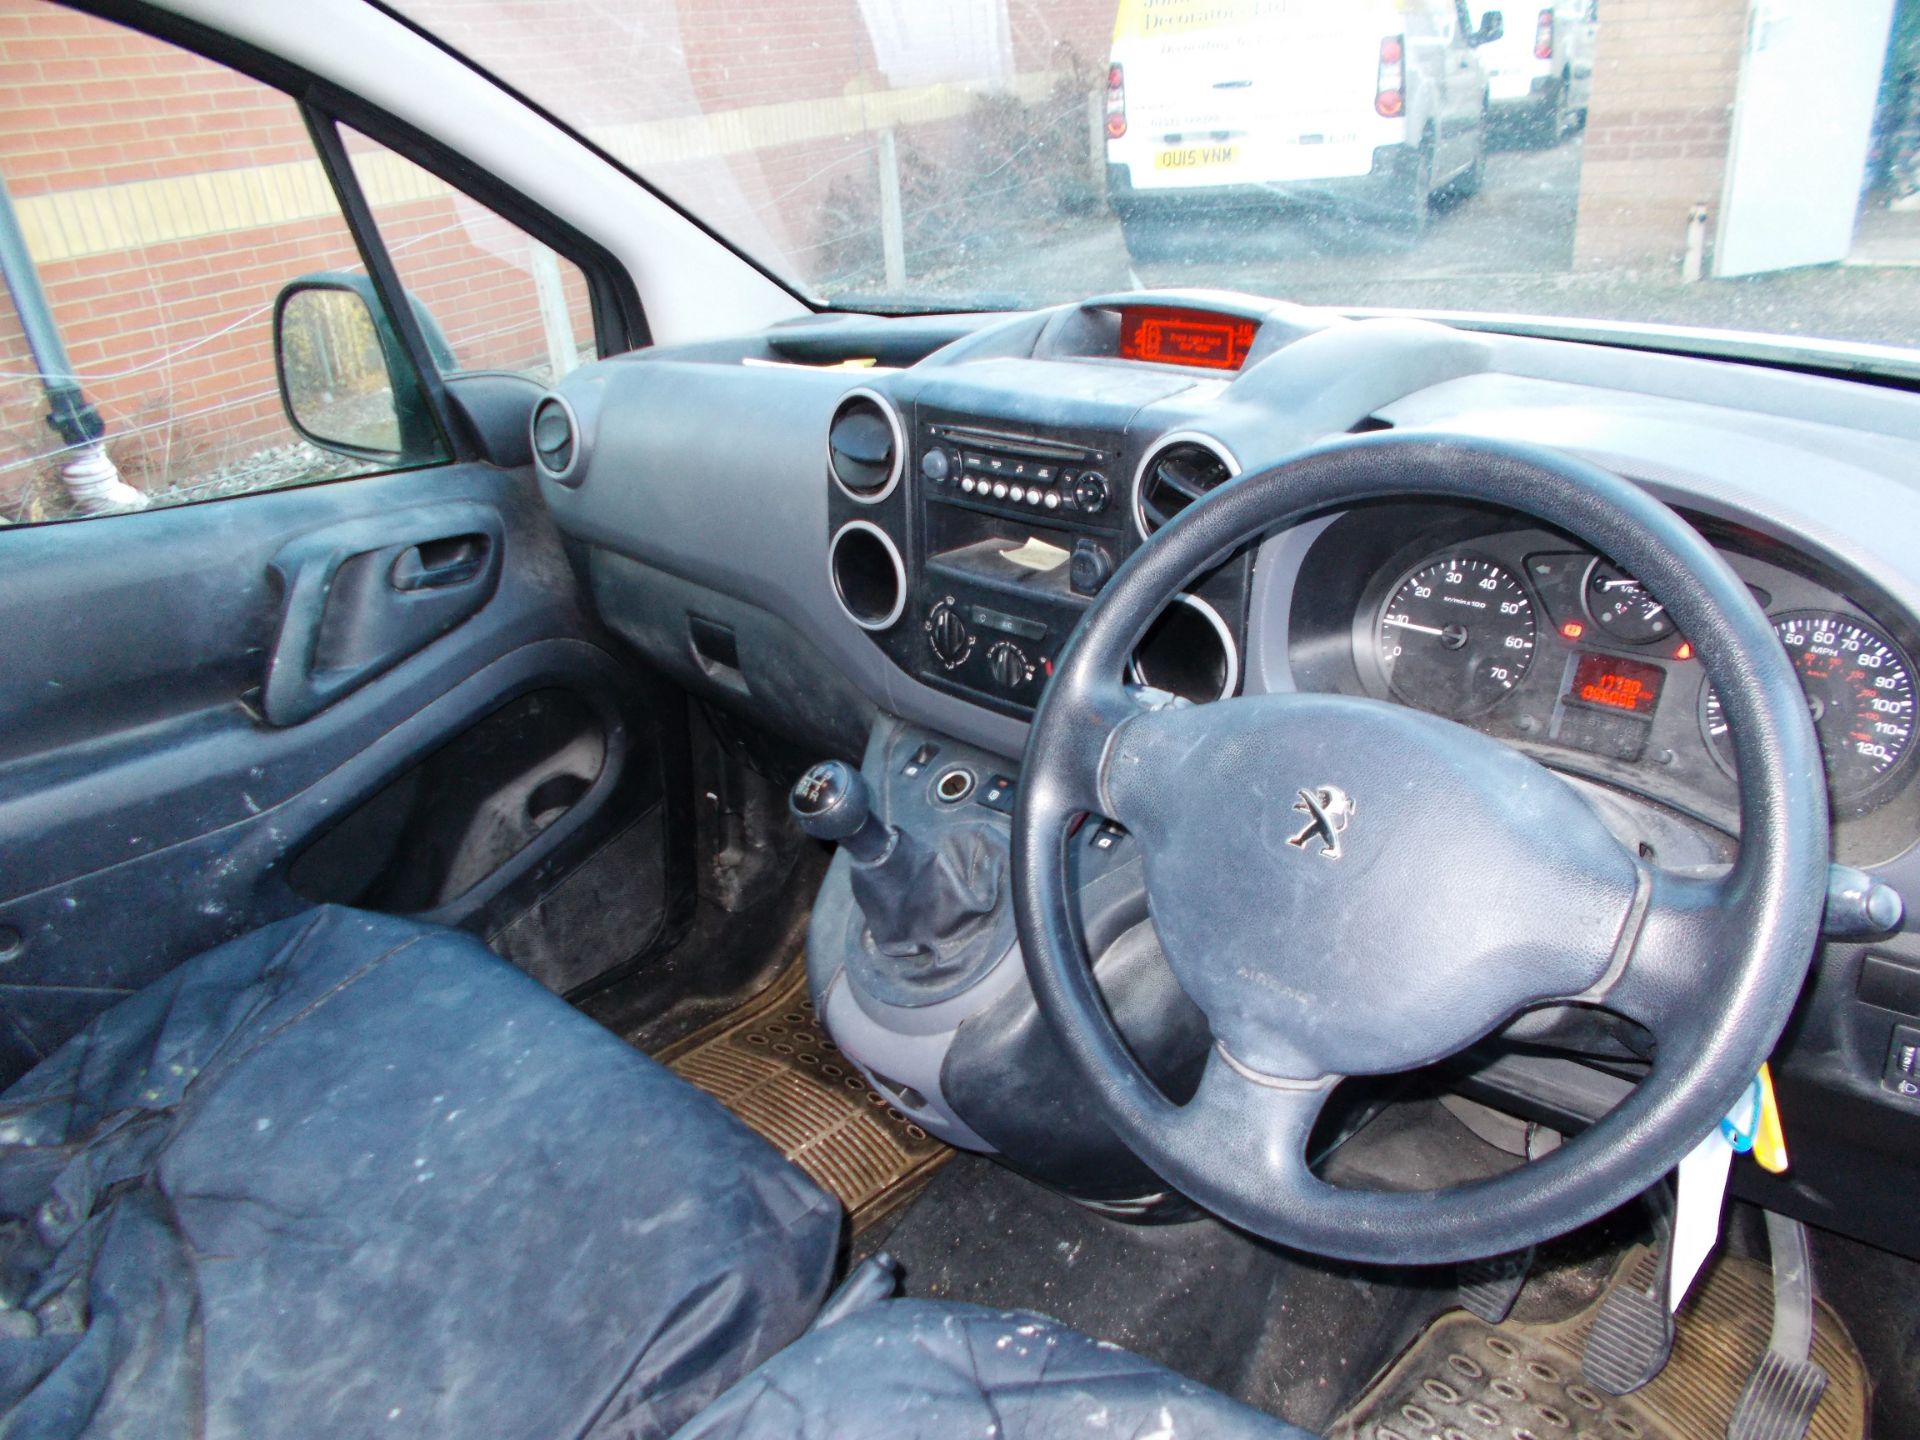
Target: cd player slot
{"points": [[1026, 446]]}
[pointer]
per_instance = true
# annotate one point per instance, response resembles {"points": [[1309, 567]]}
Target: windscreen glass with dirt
{"points": [[1741, 164]]}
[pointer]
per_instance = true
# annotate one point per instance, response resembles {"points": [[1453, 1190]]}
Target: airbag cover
{"points": [[1349, 887]]}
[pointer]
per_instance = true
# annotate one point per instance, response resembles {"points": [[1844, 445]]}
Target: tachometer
{"points": [[1456, 635], [1860, 689]]}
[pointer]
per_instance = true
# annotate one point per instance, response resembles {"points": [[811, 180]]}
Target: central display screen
{"points": [[1165, 336], [1607, 682]]}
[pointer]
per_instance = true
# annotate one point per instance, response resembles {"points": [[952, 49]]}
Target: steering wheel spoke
{"points": [[1254, 1122], [1093, 712], [1675, 962]]}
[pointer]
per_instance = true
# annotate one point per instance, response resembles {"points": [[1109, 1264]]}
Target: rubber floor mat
{"points": [[772, 1064], [1465, 1379]]}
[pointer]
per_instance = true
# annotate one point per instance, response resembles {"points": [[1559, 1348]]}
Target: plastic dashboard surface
{"points": [[703, 507]]}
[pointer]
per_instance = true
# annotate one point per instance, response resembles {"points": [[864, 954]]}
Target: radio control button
{"points": [[933, 465], [1033, 497], [967, 484], [999, 489], [1052, 501], [1091, 492]]}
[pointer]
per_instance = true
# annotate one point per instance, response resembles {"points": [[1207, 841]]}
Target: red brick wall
{"points": [[172, 340], [1658, 130]]}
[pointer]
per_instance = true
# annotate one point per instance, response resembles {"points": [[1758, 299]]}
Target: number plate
{"points": [[1196, 157]]}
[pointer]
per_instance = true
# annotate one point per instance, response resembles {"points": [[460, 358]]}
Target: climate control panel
{"points": [[986, 649]]}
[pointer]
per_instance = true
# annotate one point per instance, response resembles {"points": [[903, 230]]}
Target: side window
{"points": [[490, 296], [153, 206]]}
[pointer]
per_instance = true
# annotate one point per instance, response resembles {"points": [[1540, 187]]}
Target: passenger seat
{"points": [[354, 1176]]}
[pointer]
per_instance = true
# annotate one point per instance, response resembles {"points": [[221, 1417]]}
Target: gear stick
{"points": [[941, 906]]}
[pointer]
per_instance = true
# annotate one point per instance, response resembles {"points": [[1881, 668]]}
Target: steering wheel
{"points": [[1348, 887]]}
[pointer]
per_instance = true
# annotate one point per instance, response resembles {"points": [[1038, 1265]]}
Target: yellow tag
{"points": [[1769, 1140]]}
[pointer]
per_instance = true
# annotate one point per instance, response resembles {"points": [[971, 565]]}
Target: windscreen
{"points": [[1589, 160]]}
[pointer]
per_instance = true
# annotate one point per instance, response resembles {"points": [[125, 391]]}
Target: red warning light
{"points": [[1573, 629], [1685, 652]]}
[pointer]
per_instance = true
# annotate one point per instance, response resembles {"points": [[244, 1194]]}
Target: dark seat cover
{"points": [[352, 1176], [922, 1370]]}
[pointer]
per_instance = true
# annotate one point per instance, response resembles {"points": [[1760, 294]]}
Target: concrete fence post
{"points": [[563, 350], [893, 230]]}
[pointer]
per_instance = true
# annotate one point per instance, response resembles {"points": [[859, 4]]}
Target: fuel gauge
{"points": [[1622, 606]]}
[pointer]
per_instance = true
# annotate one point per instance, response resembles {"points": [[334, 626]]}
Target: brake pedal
{"points": [[1786, 1386], [1489, 1287], [1632, 1335]]}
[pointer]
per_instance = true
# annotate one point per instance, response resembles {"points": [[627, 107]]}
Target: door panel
{"points": [[149, 809]]}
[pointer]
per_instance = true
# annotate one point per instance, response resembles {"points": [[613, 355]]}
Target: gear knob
{"points": [[831, 803]]}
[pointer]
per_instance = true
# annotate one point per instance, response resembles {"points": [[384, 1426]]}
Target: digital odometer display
{"points": [[1607, 682], [1860, 690], [1164, 336]]}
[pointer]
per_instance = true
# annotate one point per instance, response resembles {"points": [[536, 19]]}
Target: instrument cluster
{"points": [[1526, 635]]}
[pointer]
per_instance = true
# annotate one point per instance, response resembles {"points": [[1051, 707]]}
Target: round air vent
{"points": [[1178, 471], [865, 447], [1188, 651], [868, 577], [556, 440]]}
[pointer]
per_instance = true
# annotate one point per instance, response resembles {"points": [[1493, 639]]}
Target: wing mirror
{"points": [[1493, 25], [346, 380]]}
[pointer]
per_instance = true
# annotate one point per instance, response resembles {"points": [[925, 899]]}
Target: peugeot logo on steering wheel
{"points": [[1329, 810]]}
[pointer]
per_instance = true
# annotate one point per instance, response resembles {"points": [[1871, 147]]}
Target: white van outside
{"points": [[1540, 71], [1364, 106]]}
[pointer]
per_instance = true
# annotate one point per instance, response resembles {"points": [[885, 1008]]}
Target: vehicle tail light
{"points": [[1543, 37], [1389, 90], [1116, 102]]}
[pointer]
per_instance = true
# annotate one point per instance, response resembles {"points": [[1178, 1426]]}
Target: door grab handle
{"points": [[360, 596], [439, 564]]}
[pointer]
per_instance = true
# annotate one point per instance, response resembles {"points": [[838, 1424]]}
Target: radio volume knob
{"points": [[1090, 492], [947, 633]]}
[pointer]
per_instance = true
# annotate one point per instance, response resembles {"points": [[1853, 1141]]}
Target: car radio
{"points": [[1044, 478]]}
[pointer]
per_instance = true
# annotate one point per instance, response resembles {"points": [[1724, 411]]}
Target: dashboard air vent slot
{"points": [[1183, 469], [556, 440], [865, 447]]}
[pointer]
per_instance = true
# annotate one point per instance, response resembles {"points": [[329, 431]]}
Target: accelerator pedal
{"points": [[1785, 1387]]}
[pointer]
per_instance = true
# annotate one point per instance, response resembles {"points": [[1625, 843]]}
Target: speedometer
{"points": [[1860, 690], [1456, 635]]}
